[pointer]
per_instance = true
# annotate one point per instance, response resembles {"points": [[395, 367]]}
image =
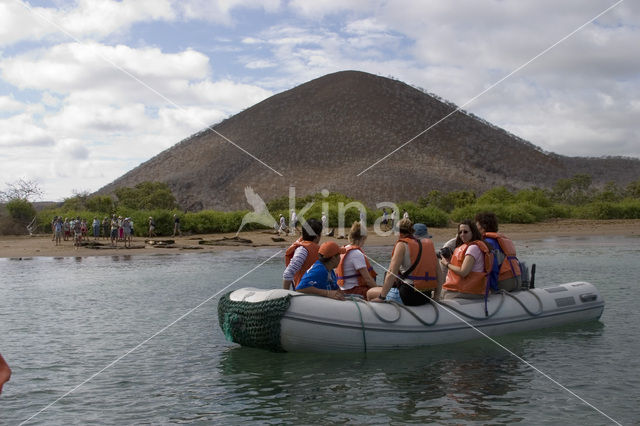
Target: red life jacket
{"points": [[340, 269], [474, 282], [312, 255], [510, 265], [424, 276]]}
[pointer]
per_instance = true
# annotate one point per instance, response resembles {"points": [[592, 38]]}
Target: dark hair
{"points": [[316, 229], [488, 221], [475, 234]]}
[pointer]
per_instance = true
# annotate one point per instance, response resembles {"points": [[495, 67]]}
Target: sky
{"points": [[90, 89]]}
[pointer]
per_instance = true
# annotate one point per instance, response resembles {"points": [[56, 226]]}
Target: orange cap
{"points": [[330, 249]]}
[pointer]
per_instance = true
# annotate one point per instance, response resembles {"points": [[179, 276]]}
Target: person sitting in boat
{"points": [[302, 254], [505, 274], [355, 274], [469, 266], [420, 231], [320, 278], [413, 277]]}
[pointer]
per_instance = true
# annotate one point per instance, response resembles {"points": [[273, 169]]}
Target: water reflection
{"points": [[426, 385]]}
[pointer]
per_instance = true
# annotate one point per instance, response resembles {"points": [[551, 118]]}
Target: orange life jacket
{"points": [[475, 282], [510, 265], [312, 255], [340, 269], [424, 276]]}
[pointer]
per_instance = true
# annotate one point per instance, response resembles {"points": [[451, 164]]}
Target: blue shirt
{"points": [[317, 276]]}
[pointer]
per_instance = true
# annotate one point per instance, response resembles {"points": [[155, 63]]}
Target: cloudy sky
{"points": [[89, 89]]}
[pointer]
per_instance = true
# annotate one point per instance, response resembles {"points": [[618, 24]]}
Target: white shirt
{"points": [[297, 260], [354, 261]]}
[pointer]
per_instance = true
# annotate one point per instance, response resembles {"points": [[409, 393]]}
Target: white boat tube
{"points": [[320, 324]]}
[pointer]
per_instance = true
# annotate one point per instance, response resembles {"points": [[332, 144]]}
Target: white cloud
{"points": [[9, 104], [320, 9], [82, 66], [20, 131], [260, 64], [89, 18], [220, 11], [581, 98]]}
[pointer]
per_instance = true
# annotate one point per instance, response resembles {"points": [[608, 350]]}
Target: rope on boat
{"points": [[364, 337], [428, 324], [524, 307], [379, 316], [503, 293], [398, 307], [473, 317]]}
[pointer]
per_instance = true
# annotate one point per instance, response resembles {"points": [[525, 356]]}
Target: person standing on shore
{"points": [[293, 223], [53, 228], [106, 228], [77, 232], [96, 228], [114, 231], [126, 227], [152, 227], [176, 225], [363, 222], [66, 229], [57, 231], [325, 223]]}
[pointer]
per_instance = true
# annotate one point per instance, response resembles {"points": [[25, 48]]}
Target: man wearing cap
{"points": [[320, 278]]}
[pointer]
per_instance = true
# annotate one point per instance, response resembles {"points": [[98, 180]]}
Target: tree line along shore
{"points": [[572, 198]]}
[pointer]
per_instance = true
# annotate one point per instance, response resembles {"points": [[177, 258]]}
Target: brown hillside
{"points": [[321, 134]]}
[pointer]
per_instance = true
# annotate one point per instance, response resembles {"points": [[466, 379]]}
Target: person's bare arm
{"points": [[394, 268]]}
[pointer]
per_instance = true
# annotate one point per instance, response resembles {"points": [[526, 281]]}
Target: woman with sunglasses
{"points": [[468, 268]]}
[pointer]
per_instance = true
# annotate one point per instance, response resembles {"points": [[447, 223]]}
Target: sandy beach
{"points": [[41, 245]]}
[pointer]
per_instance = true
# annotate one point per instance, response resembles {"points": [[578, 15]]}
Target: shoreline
{"points": [[16, 247]]}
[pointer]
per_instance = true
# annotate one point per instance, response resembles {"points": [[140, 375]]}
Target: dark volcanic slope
{"points": [[323, 133]]}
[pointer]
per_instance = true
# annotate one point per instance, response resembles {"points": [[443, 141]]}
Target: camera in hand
{"points": [[445, 252]]}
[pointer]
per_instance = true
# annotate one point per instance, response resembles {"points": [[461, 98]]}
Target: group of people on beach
{"points": [[478, 261], [115, 228]]}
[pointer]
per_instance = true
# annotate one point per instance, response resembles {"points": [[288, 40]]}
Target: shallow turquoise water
{"points": [[64, 320]]}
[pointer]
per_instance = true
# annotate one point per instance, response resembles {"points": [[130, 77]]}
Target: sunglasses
{"points": [[464, 232]]}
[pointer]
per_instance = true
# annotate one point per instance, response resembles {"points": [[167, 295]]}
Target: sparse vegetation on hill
{"points": [[322, 134]]}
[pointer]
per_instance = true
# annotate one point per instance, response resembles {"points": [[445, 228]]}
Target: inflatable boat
{"points": [[281, 320]]}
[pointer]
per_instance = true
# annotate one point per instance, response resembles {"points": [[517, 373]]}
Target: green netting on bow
{"points": [[253, 324]]}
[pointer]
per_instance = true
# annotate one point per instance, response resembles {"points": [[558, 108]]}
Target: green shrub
{"points": [[560, 211], [496, 195], [536, 196], [626, 209], [21, 210], [430, 216]]}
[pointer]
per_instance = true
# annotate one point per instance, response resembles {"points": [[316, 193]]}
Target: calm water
{"points": [[63, 320]]}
